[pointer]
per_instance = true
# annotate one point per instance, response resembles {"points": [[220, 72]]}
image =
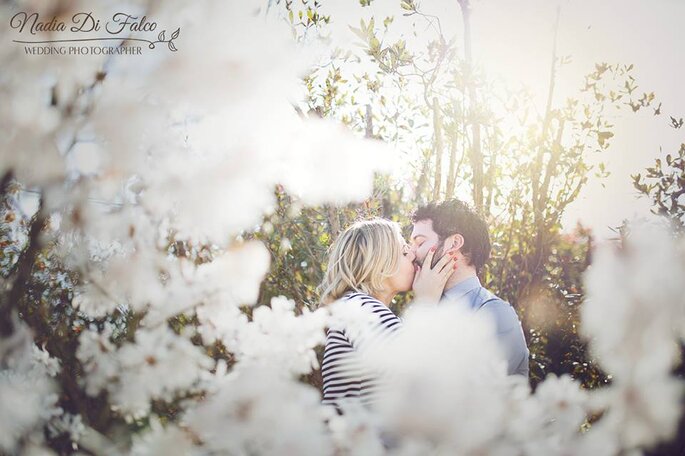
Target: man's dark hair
{"points": [[456, 217]]}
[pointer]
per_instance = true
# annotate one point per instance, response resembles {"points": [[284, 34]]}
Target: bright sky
{"points": [[513, 39]]}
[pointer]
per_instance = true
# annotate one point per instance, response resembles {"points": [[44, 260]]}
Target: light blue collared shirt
{"points": [[471, 293]]}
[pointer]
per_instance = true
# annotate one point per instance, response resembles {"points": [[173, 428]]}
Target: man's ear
{"points": [[454, 242]]}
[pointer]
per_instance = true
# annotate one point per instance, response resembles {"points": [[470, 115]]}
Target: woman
{"points": [[369, 264]]}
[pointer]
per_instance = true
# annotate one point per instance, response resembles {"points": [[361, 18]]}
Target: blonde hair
{"points": [[361, 257]]}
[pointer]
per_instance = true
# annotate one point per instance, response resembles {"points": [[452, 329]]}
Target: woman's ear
{"points": [[455, 242]]}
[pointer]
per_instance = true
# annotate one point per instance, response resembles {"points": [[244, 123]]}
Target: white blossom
{"points": [[358, 431], [559, 408], [278, 338], [449, 363], [48, 364], [27, 393], [642, 413], [92, 301], [96, 353], [159, 439], [256, 410], [157, 365], [67, 423], [639, 290]]}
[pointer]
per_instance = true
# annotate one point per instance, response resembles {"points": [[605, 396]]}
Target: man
{"points": [[452, 227]]}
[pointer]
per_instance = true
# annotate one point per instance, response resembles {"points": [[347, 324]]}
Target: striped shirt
{"points": [[345, 376]]}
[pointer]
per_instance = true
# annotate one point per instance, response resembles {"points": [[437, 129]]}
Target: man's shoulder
{"points": [[502, 312]]}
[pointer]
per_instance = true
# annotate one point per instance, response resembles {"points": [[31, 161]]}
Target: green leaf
{"points": [[604, 136], [374, 43]]}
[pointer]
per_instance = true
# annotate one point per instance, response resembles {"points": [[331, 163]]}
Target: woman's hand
{"points": [[429, 283]]}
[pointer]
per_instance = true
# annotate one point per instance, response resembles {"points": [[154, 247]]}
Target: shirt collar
{"points": [[462, 288]]}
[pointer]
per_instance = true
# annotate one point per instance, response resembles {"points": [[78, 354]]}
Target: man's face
{"points": [[422, 239]]}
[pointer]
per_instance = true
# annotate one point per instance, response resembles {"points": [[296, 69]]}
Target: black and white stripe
{"points": [[345, 377]]}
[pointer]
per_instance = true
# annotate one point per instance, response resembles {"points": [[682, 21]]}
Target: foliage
{"points": [[665, 186]]}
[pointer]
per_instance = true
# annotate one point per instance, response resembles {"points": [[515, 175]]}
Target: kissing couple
{"points": [[370, 263]]}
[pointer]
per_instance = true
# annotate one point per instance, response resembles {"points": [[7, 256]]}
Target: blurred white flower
{"points": [[596, 442], [151, 130], [257, 410], [358, 431], [633, 314], [549, 421], [96, 353], [221, 322], [325, 163], [37, 91], [226, 55], [234, 277], [222, 286], [27, 393], [158, 439], [85, 159], [642, 413], [448, 362], [200, 148], [157, 365], [564, 402], [278, 338], [638, 289], [48, 364], [92, 301], [67, 423]]}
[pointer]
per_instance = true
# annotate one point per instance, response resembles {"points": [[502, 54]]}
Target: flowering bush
{"points": [[115, 337]]}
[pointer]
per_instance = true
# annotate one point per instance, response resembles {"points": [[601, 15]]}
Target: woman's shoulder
{"points": [[374, 320], [364, 299], [375, 309]]}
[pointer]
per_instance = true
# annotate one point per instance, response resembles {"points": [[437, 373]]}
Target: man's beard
{"points": [[439, 253]]}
